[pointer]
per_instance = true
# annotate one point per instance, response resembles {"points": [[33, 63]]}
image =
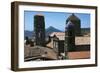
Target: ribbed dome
{"points": [[69, 25], [73, 17]]}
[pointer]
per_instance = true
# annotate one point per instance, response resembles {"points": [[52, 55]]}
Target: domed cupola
{"points": [[73, 17], [75, 21], [70, 29]]}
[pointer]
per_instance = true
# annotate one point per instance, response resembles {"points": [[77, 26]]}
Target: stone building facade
{"points": [[39, 30]]}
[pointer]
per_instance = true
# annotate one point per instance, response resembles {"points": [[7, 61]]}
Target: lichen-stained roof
{"points": [[82, 40], [60, 35], [39, 51], [57, 34], [79, 40]]}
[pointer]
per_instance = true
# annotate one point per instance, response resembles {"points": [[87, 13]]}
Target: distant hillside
{"points": [[48, 31], [28, 33], [85, 30], [51, 29]]}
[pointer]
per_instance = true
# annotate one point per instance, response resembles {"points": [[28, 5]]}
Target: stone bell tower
{"points": [[72, 29], [39, 30], [76, 21], [70, 36]]}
